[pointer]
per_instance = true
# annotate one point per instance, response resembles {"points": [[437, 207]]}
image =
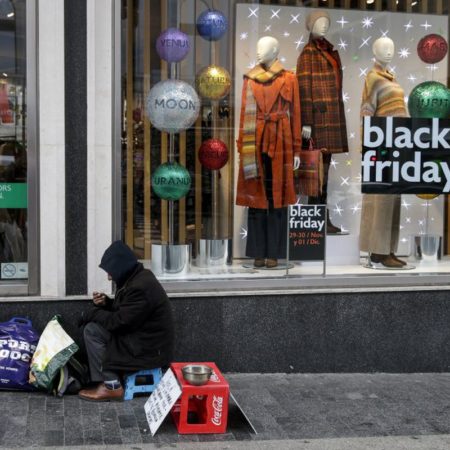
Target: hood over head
{"points": [[119, 261]]}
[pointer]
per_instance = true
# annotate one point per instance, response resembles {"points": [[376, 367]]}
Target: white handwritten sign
{"points": [[161, 401]]}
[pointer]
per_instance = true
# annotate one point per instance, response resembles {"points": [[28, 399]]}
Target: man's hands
{"points": [[99, 298], [296, 162]]}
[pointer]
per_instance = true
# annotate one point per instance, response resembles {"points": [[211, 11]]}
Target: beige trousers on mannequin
{"points": [[380, 223]]}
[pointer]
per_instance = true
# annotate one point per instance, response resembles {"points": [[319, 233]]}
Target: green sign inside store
{"points": [[13, 195]]}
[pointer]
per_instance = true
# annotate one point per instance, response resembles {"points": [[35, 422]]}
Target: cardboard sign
{"points": [[405, 155], [161, 401], [307, 230]]}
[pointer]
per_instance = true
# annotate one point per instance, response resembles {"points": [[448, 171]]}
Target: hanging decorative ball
{"points": [[212, 24], [432, 48], [430, 99], [172, 45], [213, 154], [171, 181], [172, 106], [427, 196], [213, 82]]}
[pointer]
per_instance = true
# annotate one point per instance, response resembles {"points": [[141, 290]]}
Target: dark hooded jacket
{"points": [[139, 318]]}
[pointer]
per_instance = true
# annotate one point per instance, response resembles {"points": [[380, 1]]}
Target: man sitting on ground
{"points": [[134, 331]]}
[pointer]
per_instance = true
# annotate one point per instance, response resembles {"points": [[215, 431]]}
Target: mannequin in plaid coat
{"points": [[319, 74]]}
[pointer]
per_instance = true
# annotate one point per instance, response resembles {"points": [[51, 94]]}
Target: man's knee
{"points": [[92, 330]]}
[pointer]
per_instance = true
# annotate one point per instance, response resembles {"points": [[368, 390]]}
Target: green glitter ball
{"points": [[429, 100], [171, 181]]}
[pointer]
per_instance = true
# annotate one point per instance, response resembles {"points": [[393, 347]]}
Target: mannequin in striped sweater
{"points": [[380, 215]]}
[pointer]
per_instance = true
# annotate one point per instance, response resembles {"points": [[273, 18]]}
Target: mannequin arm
{"points": [[306, 132]]}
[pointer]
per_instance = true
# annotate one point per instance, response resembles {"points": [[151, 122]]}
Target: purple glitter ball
{"points": [[172, 45]]}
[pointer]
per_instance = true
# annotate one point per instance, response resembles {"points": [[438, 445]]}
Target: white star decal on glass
{"points": [[404, 240], [243, 36], [358, 178], [275, 14], [392, 68], [408, 219], [367, 22], [268, 28], [333, 163], [401, 227], [338, 210], [253, 12], [355, 208], [363, 72], [344, 181], [421, 223], [342, 21], [405, 99], [404, 53], [286, 34], [408, 26], [352, 135], [345, 97], [432, 67], [294, 18], [348, 162], [365, 42], [426, 25], [405, 204], [342, 44], [283, 59], [384, 33], [412, 78], [299, 42], [243, 233], [343, 230]]}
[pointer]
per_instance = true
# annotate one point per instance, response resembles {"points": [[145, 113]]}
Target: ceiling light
{"points": [[369, 2], [414, 3], [4, 74], [11, 14]]}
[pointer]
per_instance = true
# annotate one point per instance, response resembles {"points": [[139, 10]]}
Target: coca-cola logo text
{"points": [[217, 405]]}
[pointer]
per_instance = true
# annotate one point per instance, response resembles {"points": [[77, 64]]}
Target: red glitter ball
{"points": [[213, 154], [432, 48]]}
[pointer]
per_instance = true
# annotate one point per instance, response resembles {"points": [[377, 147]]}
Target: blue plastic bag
{"points": [[18, 341]]}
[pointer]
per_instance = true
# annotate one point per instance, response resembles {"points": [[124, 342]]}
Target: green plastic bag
{"points": [[54, 349]]}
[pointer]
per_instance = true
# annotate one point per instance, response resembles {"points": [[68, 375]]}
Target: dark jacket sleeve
{"points": [[130, 315]]}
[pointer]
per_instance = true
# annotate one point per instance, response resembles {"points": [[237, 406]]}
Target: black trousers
{"points": [[96, 339], [267, 228], [322, 199]]}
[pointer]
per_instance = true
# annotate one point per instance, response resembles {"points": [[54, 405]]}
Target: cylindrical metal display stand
{"points": [[212, 252], [171, 259], [426, 247]]}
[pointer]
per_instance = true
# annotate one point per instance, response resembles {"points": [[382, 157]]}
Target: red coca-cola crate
{"points": [[201, 409]]}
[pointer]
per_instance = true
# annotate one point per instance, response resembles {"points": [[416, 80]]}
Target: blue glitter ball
{"points": [[212, 25]]}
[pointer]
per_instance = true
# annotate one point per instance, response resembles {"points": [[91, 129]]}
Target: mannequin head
{"points": [[318, 23], [267, 50], [383, 50]]}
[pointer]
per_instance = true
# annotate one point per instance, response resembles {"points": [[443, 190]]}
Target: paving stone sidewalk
{"points": [[281, 407]]}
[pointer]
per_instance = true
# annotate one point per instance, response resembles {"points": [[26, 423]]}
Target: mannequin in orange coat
{"points": [[269, 142]]}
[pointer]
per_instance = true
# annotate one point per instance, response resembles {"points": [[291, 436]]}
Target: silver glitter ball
{"points": [[172, 106]]}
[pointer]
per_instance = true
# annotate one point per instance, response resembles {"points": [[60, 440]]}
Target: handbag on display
{"points": [[310, 172]]}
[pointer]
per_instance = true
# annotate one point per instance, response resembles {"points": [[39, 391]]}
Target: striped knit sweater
{"points": [[382, 95]]}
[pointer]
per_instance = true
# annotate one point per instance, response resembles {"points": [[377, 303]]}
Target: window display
{"points": [[220, 104], [13, 143]]}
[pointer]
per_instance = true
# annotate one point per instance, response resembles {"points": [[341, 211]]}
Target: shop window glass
{"points": [[13, 142], [207, 174]]}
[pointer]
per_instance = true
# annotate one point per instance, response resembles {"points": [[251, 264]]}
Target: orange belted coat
{"points": [[277, 134]]}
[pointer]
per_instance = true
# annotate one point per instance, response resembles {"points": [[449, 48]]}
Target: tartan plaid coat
{"points": [[319, 74], [277, 133]]}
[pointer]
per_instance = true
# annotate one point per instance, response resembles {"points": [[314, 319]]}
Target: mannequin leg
{"points": [[323, 198], [267, 228]]}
